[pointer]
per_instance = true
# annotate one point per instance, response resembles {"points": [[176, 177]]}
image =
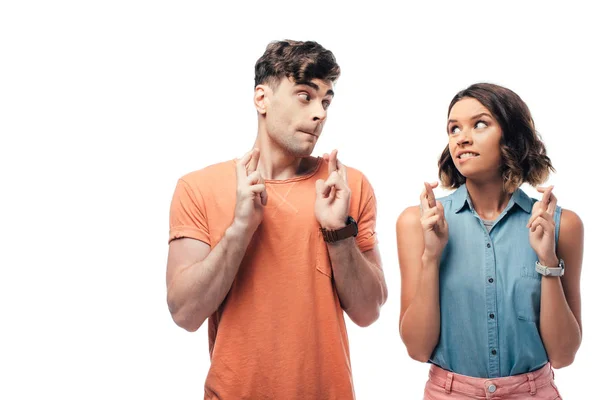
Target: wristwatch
{"points": [[551, 271], [351, 229]]}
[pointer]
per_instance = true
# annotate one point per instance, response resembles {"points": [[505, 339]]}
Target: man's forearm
{"points": [[200, 288], [360, 283]]}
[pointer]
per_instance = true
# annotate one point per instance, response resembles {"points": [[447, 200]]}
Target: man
{"points": [[272, 247]]}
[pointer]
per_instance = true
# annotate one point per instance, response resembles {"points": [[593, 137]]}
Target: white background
{"points": [[103, 105]]}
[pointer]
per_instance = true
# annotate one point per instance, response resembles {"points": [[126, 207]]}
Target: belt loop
{"points": [[448, 385], [532, 388]]}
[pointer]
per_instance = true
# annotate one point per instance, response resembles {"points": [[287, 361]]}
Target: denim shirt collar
{"points": [[462, 200]]}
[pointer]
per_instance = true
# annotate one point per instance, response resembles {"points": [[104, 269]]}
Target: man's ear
{"points": [[260, 98]]}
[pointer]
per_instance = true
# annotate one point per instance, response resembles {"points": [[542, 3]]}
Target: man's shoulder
{"points": [[213, 173], [356, 178]]}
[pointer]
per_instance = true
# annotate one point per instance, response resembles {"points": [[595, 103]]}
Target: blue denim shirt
{"points": [[489, 291]]}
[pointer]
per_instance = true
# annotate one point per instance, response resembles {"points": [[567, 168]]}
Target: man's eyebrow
{"points": [[316, 87]]}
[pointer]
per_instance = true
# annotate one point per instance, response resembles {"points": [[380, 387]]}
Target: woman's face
{"points": [[474, 140]]}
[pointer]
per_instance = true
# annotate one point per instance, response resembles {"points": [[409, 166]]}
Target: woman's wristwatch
{"points": [[551, 271]]}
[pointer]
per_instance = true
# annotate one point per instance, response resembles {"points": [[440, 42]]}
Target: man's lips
{"points": [[308, 133]]}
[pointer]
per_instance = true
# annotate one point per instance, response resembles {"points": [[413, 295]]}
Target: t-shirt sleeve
{"points": [[367, 214], [188, 214]]}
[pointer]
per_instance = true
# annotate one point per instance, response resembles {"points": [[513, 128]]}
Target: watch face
{"points": [[351, 221]]}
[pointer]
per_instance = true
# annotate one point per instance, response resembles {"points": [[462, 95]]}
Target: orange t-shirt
{"points": [[280, 332]]}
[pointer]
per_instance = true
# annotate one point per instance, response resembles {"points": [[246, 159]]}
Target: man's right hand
{"points": [[251, 192], [435, 228]]}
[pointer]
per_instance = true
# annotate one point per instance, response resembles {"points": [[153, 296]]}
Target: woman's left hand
{"points": [[542, 228]]}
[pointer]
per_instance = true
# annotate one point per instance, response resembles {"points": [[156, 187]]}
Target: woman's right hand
{"points": [[433, 222]]}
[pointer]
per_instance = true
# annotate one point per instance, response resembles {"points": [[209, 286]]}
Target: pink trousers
{"points": [[536, 385]]}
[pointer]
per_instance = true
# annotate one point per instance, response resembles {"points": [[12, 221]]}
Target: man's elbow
{"points": [[384, 294], [372, 315], [183, 317], [366, 318], [186, 321]]}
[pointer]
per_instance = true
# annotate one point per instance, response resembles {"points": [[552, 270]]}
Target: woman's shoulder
{"points": [[409, 218], [570, 222]]}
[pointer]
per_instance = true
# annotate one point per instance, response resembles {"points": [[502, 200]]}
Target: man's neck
{"points": [[277, 164]]}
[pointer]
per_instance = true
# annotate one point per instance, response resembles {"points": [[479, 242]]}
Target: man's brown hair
{"points": [[302, 61]]}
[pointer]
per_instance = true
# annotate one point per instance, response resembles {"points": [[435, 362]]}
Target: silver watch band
{"points": [[550, 271]]}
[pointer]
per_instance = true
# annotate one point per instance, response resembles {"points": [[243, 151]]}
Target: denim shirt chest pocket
{"points": [[528, 287], [528, 290]]}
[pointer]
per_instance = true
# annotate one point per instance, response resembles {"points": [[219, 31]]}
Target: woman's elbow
{"points": [[565, 361], [418, 356], [415, 352]]}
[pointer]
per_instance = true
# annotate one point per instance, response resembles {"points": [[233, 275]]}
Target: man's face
{"points": [[295, 113]]}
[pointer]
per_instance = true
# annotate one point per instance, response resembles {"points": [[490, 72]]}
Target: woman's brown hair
{"points": [[523, 152]]}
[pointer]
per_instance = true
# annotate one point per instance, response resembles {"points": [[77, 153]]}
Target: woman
{"points": [[484, 298]]}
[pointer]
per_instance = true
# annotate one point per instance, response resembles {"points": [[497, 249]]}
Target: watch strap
{"points": [[331, 236], [550, 271]]}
